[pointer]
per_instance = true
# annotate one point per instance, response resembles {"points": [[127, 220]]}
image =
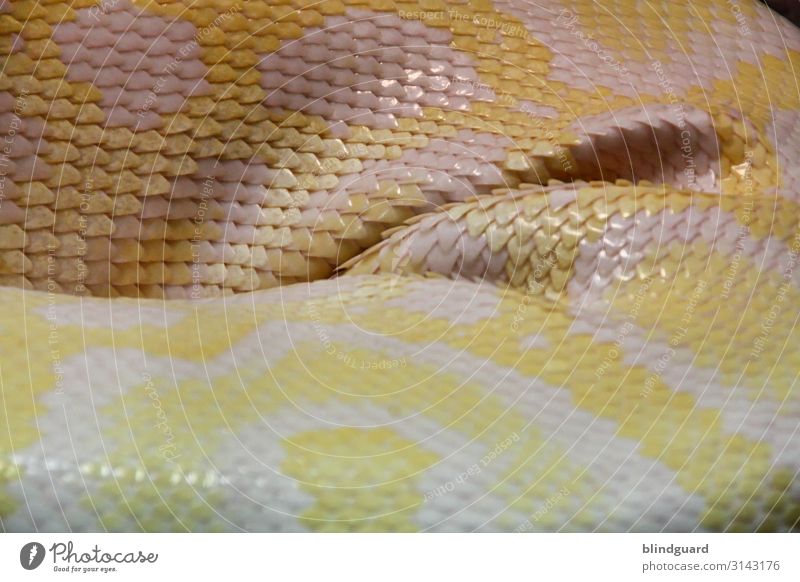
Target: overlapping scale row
{"points": [[579, 240], [176, 149], [143, 163]]}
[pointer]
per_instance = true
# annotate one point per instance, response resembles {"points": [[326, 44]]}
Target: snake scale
{"points": [[375, 265]]}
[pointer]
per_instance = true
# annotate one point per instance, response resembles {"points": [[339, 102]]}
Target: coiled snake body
{"points": [[377, 265]]}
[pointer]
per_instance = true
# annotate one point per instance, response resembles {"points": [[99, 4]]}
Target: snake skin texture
{"points": [[371, 265]]}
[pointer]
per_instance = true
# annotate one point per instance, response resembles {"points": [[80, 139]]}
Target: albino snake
{"points": [[554, 254]]}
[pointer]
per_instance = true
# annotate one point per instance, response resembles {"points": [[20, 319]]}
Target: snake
{"points": [[389, 265]]}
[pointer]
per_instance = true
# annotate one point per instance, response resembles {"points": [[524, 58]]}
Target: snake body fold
{"points": [[377, 265]]}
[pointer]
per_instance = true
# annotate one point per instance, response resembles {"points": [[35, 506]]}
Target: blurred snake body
{"points": [[370, 265]]}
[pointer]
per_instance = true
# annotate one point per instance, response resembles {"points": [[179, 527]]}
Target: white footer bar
{"points": [[401, 557]]}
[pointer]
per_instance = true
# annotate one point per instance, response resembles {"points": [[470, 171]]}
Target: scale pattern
{"points": [[373, 265]]}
